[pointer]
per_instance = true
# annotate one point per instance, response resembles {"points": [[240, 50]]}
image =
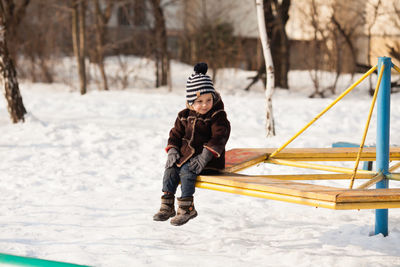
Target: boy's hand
{"points": [[173, 156], [198, 163]]}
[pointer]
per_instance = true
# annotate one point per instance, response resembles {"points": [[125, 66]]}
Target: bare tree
{"points": [[101, 19], [347, 34], [370, 24], [16, 107], [317, 55], [276, 15], [269, 65], [326, 49], [161, 49], [394, 49], [14, 13], [330, 34], [42, 36], [78, 38], [348, 21], [209, 35]]}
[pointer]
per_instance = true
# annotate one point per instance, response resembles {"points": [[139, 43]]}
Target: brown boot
{"points": [[167, 209], [186, 211]]}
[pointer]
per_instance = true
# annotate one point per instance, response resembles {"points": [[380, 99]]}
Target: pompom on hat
{"points": [[198, 83]]}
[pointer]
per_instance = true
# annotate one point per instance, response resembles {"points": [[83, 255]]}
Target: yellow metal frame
{"points": [[283, 188], [367, 125], [326, 109], [321, 167], [396, 68]]}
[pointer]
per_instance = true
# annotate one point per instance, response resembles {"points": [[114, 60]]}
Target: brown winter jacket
{"points": [[193, 131]]}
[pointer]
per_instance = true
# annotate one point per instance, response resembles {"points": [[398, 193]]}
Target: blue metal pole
{"points": [[382, 140]]}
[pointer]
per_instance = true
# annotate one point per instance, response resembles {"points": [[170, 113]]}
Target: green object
{"points": [[11, 260]]}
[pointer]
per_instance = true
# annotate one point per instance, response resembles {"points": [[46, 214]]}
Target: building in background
{"points": [[323, 34]]}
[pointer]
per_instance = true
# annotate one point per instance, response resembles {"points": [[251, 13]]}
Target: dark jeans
{"points": [[174, 175]]}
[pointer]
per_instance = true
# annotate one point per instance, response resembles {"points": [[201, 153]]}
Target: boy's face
{"points": [[203, 103]]}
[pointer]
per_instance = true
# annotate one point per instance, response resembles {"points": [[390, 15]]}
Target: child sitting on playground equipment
{"points": [[196, 143]]}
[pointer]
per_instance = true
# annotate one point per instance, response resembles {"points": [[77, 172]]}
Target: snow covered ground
{"points": [[81, 179]]}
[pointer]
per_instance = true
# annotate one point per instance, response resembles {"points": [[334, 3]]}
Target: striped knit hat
{"points": [[198, 83]]}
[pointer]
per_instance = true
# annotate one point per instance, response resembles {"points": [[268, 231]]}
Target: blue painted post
{"points": [[382, 140]]}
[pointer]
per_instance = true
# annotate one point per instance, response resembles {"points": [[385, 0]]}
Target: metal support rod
{"points": [[394, 167], [396, 68], [382, 140], [348, 90], [371, 109], [314, 166], [372, 181], [393, 176]]}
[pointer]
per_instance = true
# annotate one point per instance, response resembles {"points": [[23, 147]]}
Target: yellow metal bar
{"points": [[316, 166], [393, 176], [394, 167], [367, 205], [324, 154], [372, 181], [396, 68], [324, 111], [371, 109], [324, 176]]}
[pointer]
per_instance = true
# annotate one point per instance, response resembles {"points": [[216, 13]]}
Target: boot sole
{"points": [[182, 223], [163, 219]]}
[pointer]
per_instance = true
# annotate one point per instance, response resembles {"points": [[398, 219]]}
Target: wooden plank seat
{"points": [[240, 158], [284, 189]]}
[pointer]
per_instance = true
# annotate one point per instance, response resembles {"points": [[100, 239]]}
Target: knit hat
{"points": [[198, 83]]}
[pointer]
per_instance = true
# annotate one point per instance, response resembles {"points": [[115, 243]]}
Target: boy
{"points": [[196, 143]]}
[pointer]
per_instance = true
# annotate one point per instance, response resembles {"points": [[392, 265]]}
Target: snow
{"points": [[81, 178]]}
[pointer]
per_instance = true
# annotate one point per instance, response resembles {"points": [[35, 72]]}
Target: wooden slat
{"points": [[270, 195], [371, 195], [238, 159], [275, 186]]}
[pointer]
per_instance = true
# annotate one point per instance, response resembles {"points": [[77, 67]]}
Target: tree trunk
{"points": [[78, 40], [269, 65], [103, 74], [276, 16], [13, 15], [369, 29], [16, 107], [162, 55], [82, 46], [74, 30], [283, 17], [102, 19]]}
